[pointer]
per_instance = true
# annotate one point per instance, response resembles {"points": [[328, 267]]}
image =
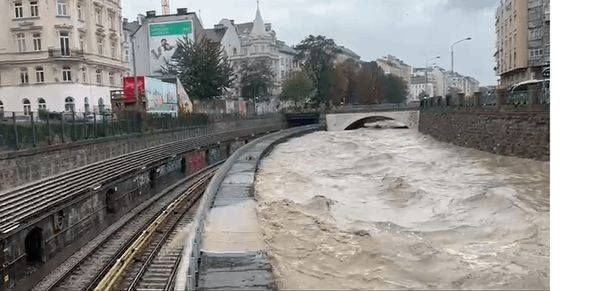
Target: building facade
{"points": [[420, 88], [59, 55], [392, 65], [255, 41], [522, 40], [434, 75], [155, 40]]}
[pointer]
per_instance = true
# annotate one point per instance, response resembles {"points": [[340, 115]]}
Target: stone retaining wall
{"points": [[22, 167], [513, 132]]}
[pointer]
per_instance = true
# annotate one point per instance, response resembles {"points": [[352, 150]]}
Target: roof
{"points": [[287, 49], [215, 34], [245, 28], [131, 26], [259, 25], [346, 51]]}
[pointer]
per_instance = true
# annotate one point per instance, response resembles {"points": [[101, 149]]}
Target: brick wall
{"points": [[512, 132], [21, 167]]}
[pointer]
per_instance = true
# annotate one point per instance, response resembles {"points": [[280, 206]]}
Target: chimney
{"points": [[181, 11], [151, 13], [140, 18]]}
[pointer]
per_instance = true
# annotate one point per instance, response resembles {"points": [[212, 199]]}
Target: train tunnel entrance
{"points": [[34, 246], [110, 201]]}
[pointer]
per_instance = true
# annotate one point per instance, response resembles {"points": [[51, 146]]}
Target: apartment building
{"points": [[392, 65], [522, 40], [59, 55]]}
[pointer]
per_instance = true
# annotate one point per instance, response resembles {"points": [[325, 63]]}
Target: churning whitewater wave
{"points": [[393, 209]]}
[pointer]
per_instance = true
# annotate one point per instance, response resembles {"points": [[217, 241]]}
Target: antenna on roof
{"points": [[166, 10]]}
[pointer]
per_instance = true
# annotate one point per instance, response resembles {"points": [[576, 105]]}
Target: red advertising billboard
{"points": [[129, 87]]}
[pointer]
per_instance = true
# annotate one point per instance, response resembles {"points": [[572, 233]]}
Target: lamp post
{"points": [[427, 72], [452, 52]]}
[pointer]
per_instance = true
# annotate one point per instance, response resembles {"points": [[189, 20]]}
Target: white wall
{"points": [[54, 94]]}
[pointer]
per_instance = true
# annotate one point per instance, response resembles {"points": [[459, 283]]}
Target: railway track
{"points": [[19, 206], [86, 269]]}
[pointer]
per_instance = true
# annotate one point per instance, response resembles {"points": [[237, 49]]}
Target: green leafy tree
{"points": [[297, 88], [202, 67], [344, 90], [395, 89], [370, 86], [317, 55], [256, 79]]}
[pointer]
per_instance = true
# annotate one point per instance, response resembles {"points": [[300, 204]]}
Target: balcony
{"points": [[66, 54]]}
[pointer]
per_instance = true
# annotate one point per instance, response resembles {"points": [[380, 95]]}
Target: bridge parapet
{"points": [[386, 107]]}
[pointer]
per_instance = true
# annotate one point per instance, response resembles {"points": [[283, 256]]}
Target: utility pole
{"points": [[135, 78], [452, 52]]}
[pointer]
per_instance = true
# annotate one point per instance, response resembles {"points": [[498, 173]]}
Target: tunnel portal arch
{"points": [[34, 246], [361, 122]]}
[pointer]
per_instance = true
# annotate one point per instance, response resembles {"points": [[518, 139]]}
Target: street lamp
{"points": [[452, 52], [427, 71]]}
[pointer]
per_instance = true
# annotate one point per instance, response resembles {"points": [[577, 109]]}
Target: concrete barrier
{"points": [[250, 155]]}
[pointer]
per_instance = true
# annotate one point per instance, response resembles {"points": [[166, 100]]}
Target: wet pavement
{"points": [[394, 209]]}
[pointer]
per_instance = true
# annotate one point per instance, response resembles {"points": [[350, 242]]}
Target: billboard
{"points": [[161, 97], [163, 42], [185, 104], [129, 88]]}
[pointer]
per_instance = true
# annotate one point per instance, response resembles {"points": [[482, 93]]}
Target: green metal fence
{"points": [[20, 130]]}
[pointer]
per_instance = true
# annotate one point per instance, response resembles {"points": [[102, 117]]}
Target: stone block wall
{"points": [[513, 132], [22, 167]]}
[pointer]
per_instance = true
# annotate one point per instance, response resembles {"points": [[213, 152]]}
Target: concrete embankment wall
{"points": [[510, 131], [21, 167], [232, 186]]}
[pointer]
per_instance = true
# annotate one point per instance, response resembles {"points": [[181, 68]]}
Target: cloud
{"points": [[413, 30]]}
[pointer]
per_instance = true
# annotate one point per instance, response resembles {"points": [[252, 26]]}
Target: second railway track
{"points": [[154, 221]]}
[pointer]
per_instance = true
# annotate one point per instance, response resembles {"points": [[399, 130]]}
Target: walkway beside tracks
{"points": [[227, 240]]}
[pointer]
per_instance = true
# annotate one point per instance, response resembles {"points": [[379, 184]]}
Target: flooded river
{"points": [[394, 209]]}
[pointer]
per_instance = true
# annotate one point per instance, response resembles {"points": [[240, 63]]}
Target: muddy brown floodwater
{"points": [[394, 209]]}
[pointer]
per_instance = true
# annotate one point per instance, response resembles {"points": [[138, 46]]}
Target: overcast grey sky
{"points": [[412, 30]]}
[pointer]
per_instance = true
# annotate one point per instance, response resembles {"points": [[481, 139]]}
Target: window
{"points": [[37, 42], [65, 50], [24, 76], [18, 10], [234, 51], [26, 107], [111, 78], [66, 74], [127, 56], [33, 5], [100, 47], [101, 106], [81, 42], [39, 74], [21, 47], [61, 8], [113, 49], [111, 20], [84, 75], [79, 11], [69, 104], [86, 105], [99, 16], [1, 109], [99, 76], [41, 104]]}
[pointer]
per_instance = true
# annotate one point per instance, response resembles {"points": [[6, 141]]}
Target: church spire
{"points": [[259, 25]]}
